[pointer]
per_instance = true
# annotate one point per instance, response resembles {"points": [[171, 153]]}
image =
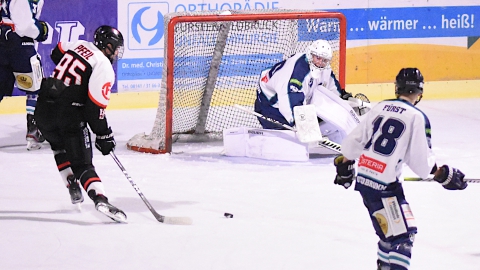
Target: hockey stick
{"points": [[468, 180], [163, 219], [325, 143]]}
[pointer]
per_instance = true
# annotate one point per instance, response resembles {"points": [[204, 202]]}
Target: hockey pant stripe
{"points": [[63, 166], [90, 181]]}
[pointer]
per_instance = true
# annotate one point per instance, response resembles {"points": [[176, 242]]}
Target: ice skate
{"points": [[34, 136], [74, 190], [103, 206]]}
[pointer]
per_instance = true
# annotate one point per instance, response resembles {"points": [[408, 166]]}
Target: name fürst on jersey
{"points": [[393, 108]]}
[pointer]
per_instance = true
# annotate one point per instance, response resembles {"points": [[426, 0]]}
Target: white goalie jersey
{"points": [[392, 134], [289, 83]]}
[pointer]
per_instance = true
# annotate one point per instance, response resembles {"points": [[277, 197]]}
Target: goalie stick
{"points": [[325, 142], [430, 179], [163, 219]]}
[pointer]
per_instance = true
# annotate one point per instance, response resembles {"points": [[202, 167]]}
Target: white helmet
{"points": [[322, 49]]}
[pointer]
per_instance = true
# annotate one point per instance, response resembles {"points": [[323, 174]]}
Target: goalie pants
{"points": [[263, 107], [392, 220], [65, 128]]}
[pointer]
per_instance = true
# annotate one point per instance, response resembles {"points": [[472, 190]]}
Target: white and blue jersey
{"points": [[23, 16], [288, 84], [393, 134], [19, 28]]}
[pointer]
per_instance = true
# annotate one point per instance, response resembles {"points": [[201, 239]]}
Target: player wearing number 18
{"points": [[74, 99], [393, 134]]}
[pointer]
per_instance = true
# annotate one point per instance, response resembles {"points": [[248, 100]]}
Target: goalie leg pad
{"points": [[264, 144], [332, 132]]}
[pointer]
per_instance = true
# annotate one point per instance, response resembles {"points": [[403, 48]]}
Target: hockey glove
{"points": [[43, 28], [345, 171], [450, 178], [105, 143], [345, 95]]}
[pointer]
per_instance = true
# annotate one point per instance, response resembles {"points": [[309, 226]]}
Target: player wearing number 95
{"points": [[73, 99], [393, 134]]}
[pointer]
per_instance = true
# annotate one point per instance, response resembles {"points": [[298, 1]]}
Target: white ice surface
{"points": [[286, 215]]}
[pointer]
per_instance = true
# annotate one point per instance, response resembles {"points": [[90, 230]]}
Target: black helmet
{"points": [[105, 35], [409, 81]]}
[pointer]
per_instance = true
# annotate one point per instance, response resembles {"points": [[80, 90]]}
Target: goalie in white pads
{"points": [[392, 134], [306, 78]]}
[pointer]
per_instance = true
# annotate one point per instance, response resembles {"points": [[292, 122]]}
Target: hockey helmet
{"points": [[409, 81], [105, 35], [320, 48]]}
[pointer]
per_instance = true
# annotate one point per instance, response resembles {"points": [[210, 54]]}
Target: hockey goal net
{"points": [[212, 61]]}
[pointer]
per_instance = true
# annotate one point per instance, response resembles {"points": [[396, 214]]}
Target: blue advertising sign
{"points": [[421, 22], [146, 26], [313, 29]]}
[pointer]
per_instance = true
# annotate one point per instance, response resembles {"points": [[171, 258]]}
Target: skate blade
{"points": [[77, 201], [117, 217], [33, 145]]}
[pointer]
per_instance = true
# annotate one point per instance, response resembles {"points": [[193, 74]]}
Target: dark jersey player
{"points": [[73, 101]]}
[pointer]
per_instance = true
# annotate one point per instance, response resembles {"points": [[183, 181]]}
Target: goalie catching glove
{"points": [[105, 143], [345, 171], [450, 178]]}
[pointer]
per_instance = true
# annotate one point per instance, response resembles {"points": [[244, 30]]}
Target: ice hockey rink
{"points": [[286, 215]]}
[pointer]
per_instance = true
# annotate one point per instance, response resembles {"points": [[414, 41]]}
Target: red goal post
{"points": [[213, 59]]}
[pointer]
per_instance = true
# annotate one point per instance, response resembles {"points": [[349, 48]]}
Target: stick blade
{"points": [[177, 220]]}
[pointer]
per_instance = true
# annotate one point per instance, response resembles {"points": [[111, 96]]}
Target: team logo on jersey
{"points": [[101, 115], [24, 81], [372, 164], [147, 26], [264, 79], [106, 90], [295, 85], [294, 89]]}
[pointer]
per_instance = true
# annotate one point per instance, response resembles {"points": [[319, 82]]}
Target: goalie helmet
{"points": [[409, 81], [319, 48], [105, 35]]}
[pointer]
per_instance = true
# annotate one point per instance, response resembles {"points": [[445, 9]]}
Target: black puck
{"points": [[228, 215]]}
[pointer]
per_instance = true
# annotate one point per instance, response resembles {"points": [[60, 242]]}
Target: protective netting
{"points": [[216, 64]]}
